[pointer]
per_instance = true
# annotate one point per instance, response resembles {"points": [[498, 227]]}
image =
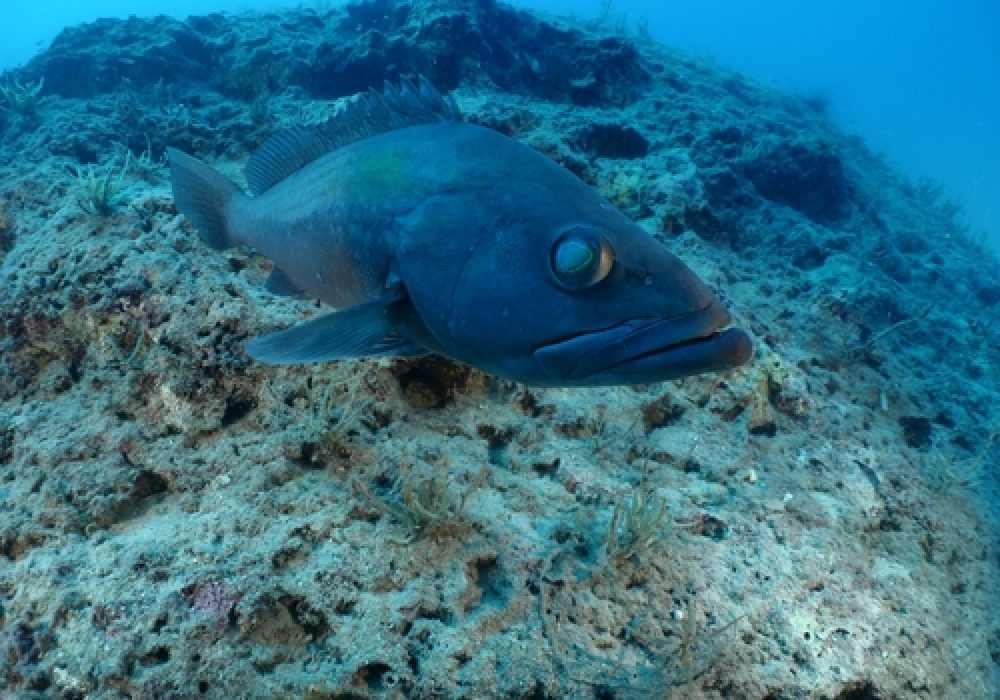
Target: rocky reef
{"points": [[177, 521]]}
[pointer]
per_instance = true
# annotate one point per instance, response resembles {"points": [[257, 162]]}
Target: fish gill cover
{"points": [[177, 520]]}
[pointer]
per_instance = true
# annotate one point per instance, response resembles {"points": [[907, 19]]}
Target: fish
{"points": [[427, 233]]}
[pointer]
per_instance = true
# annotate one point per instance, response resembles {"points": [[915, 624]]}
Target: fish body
{"points": [[431, 234]]}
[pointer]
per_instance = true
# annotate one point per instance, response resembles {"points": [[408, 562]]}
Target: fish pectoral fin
{"points": [[280, 284], [366, 330]]}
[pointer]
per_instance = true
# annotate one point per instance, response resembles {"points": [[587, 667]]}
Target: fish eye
{"points": [[581, 259]]}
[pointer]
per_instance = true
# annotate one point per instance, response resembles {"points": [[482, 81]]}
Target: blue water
{"points": [[916, 78]]}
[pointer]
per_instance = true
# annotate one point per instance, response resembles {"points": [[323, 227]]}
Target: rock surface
{"points": [[177, 521]]}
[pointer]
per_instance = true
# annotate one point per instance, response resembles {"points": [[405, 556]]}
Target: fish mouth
{"points": [[645, 350]]}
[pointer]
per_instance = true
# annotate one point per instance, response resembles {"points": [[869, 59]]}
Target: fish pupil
{"points": [[574, 257]]}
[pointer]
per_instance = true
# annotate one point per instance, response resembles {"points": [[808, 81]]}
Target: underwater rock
{"points": [[611, 141], [177, 520], [805, 175], [346, 50], [916, 430]]}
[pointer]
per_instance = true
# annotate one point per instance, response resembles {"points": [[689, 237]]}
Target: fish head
{"points": [[578, 300]]}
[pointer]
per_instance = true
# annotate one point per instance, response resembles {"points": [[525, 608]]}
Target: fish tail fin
{"points": [[202, 194]]}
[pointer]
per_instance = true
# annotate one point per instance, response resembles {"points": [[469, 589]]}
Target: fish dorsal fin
{"points": [[367, 115]]}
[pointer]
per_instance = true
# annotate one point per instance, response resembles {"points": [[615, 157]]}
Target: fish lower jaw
{"points": [[646, 350]]}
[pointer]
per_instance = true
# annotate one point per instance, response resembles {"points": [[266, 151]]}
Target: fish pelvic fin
{"points": [[203, 195]]}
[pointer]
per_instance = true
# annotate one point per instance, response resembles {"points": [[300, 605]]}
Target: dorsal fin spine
{"points": [[370, 113]]}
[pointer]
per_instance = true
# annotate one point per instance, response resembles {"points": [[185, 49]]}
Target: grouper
{"points": [[430, 234]]}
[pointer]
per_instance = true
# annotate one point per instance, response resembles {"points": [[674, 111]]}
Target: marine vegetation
{"points": [[636, 527], [98, 193], [22, 98]]}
